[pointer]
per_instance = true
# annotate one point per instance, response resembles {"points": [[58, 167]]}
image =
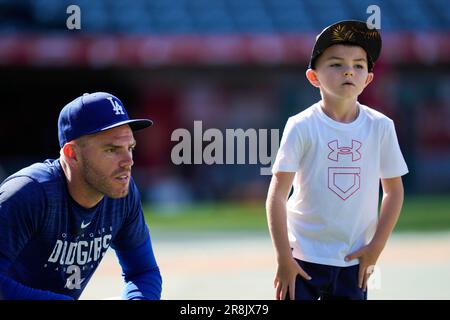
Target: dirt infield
{"points": [[240, 266]]}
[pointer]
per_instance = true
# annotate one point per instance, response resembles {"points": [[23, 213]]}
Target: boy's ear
{"points": [[369, 79], [311, 75]]}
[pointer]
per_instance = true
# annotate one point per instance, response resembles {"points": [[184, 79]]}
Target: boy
{"points": [[328, 236]]}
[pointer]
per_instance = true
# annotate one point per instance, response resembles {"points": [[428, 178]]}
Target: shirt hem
{"points": [[326, 261], [285, 169], [390, 176]]}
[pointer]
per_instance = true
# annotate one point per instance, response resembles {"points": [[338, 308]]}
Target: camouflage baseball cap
{"points": [[351, 32]]}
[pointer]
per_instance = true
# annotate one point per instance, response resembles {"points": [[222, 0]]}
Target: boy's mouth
{"points": [[348, 83]]}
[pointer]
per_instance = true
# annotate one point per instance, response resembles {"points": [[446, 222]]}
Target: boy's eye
{"points": [[359, 66], [335, 65]]}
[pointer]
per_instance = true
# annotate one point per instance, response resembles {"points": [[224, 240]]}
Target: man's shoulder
{"points": [[21, 187], [29, 182], [41, 172]]}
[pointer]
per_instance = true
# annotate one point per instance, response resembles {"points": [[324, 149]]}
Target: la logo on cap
{"points": [[117, 108]]}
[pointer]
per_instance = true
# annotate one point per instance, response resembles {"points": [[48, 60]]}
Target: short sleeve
{"points": [[22, 206], [392, 163], [134, 231], [291, 148]]}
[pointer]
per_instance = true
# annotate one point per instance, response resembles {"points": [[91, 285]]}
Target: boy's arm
{"points": [[288, 269], [391, 206]]}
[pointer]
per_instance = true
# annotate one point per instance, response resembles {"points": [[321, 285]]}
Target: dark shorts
{"points": [[328, 283]]}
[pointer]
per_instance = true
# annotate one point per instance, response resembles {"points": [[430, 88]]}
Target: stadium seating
{"points": [[217, 16]]}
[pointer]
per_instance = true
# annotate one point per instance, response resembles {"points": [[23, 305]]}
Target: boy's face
{"points": [[341, 72]]}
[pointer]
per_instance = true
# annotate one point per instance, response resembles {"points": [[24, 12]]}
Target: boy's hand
{"points": [[285, 278], [368, 256]]}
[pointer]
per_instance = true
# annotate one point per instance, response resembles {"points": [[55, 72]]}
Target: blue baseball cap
{"points": [[94, 112]]}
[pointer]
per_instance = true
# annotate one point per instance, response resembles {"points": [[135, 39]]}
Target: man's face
{"points": [[105, 161], [342, 71]]}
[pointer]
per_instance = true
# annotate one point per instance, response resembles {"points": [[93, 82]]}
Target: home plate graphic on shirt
{"points": [[344, 181]]}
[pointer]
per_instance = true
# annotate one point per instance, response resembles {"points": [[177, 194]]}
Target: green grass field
{"points": [[420, 213]]}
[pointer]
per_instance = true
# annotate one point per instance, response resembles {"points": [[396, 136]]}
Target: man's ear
{"points": [[70, 152], [369, 79], [311, 75]]}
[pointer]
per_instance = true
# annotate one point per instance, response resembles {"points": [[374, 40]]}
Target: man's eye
{"points": [[109, 150], [132, 148]]}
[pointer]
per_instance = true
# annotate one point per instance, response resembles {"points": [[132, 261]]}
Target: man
{"points": [[58, 218]]}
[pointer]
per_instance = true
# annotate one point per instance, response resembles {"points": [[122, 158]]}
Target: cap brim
{"points": [[135, 124]]}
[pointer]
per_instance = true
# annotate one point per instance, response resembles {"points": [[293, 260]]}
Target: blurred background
{"points": [[231, 64]]}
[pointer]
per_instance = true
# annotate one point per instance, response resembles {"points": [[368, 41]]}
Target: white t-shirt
{"points": [[333, 210]]}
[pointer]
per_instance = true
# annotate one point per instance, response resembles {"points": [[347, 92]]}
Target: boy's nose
{"points": [[348, 73]]}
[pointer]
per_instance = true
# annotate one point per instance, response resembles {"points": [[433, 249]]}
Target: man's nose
{"points": [[127, 160]]}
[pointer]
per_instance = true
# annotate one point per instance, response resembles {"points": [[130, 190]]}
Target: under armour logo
{"points": [[336, 150], [117, 108]]}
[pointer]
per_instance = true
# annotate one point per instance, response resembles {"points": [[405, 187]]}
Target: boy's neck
{"points": [[344, 111]]}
